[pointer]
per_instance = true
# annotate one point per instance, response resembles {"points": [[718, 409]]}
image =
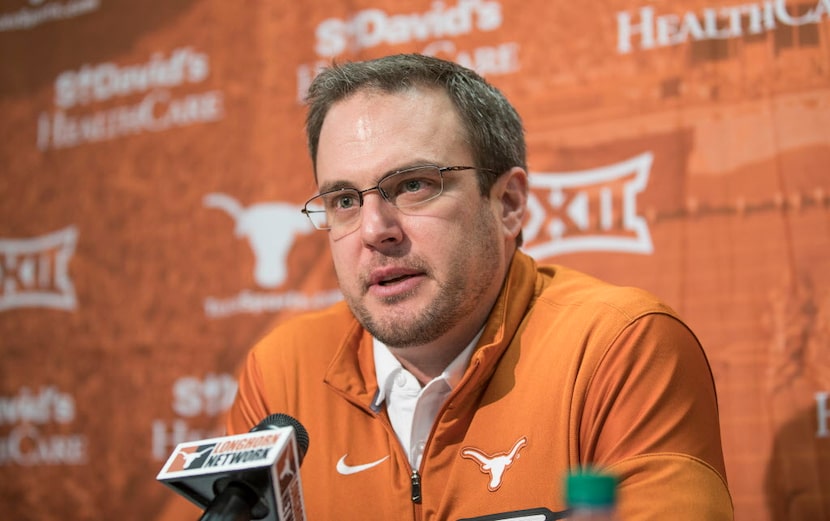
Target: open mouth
{"points": [[394, 280]]}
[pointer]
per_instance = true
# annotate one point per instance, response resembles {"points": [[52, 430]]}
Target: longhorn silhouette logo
{"points": [[495, 465], [270, 229], [191, 455]]}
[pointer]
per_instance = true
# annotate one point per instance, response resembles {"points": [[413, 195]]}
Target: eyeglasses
{"points": [[339, 210]]}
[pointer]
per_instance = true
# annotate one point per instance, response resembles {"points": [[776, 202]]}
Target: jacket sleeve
{"points": [[671, 486], [651, 416], [249, 407]]}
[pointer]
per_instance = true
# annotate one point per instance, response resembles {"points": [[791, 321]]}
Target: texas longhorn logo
{"points": [[270, 228], [191, 457], [495, 465]]}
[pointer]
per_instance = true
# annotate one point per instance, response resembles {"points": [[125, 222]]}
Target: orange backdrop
{"points": [[153, 163]]}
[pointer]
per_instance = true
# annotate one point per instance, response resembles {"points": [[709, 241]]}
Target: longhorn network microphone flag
{"points": [[268, 462]]}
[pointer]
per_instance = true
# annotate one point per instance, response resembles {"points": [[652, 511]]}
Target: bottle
{"points": [[591, 496]]}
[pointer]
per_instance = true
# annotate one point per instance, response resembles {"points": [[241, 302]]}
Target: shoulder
{"points": [[311, 334], [577, 310], [562, 288]]}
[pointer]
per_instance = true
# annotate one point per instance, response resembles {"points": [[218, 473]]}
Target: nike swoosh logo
{"points": [[347, 470]]}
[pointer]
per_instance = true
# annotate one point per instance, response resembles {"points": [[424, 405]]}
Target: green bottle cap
{"points": [[590, 489]]}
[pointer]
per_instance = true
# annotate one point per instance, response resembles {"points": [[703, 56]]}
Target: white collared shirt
{"points": [[412, 409]]}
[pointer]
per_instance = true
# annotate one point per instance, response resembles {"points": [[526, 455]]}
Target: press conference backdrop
{"points": [[153, 166]]}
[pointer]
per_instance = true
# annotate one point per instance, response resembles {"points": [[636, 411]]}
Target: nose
{"points": [[379, 222]]}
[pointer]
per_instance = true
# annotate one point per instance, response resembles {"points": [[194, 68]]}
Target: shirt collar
{"points": [[387, 367]]}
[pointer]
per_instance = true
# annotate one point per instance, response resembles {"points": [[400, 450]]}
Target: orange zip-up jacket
{"points": [[568, 372]]}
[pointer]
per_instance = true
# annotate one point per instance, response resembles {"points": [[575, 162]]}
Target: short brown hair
{"points": [[494, 128]]}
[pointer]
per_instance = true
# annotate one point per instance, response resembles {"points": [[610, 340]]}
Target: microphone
{"points": [[248, 476]]}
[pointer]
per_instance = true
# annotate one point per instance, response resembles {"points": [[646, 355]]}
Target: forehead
{"points": [[371, 133]]}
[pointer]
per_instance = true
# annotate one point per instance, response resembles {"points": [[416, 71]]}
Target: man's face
{"points": [[419, 275]]}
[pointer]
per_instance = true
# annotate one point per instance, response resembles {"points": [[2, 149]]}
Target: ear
{"points": [[512, 195]]}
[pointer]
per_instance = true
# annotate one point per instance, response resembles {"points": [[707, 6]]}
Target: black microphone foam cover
{"points": [[275, 421]]}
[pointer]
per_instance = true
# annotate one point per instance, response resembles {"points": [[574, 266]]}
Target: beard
{"points": [[469, 277]]}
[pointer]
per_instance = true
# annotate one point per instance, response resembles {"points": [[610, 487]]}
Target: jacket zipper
{"points": [[415, 478]]}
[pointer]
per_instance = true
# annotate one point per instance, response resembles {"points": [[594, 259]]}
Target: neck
{"points": [[427, 362], [424, 367]]}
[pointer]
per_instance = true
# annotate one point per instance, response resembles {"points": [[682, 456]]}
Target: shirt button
{"points": [[400, 380]]}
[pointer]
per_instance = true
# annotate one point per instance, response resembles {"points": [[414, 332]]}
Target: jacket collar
{"points": [[517, 295]]}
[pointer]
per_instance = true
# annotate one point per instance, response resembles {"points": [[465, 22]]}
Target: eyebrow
{"points": [[335, 185], [342, 183]]}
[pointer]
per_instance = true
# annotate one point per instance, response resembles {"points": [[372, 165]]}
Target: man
{"points": [[459, 380]]}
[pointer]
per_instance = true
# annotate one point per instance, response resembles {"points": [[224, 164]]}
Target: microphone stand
{"points": [[234, 503]]}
